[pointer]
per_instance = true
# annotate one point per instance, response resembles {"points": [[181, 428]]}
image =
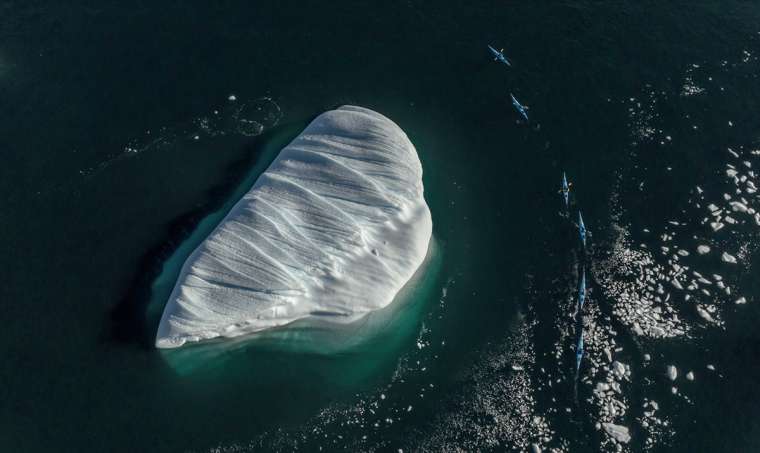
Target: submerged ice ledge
{"points": [[332, 230]]}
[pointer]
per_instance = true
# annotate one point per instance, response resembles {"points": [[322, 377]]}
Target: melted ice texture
{"points": [[332, 230]]}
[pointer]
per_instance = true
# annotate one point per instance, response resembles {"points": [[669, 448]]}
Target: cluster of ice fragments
{"points": [[643, 286], [655, 290]]}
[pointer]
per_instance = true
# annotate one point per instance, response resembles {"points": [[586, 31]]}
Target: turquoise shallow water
{"points": [[118, 140]]}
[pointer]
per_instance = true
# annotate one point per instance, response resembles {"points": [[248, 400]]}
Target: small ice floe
{"points": [[617, 432], [517, 367], [704, 314], [733, 153], [690, 376], [741, 301], [232, 97], [711, 367], [716, 226], [738, 206], [728, 258], [534, 448], [618, 369], [703, 249], [672, 372], [647, 357]]}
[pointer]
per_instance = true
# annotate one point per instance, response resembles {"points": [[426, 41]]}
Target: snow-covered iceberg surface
{"points": [[332, 230]]}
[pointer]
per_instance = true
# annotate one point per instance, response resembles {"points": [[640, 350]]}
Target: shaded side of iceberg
{"points": [[330, 232]]}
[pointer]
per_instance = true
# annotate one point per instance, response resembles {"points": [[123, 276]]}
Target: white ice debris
{"points": [[738, 206], [704, 314], [728, 258], [617, 432], [672, 372], [703, 249], [618, 368], [329, 232]]}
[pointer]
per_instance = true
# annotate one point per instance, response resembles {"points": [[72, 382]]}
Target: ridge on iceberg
{"points": [[332, 230]]}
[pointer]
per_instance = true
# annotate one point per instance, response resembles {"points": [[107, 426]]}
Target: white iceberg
{"points": [[332, 230]]}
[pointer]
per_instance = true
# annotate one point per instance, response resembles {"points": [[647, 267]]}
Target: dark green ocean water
{"points": [[118, 139]]}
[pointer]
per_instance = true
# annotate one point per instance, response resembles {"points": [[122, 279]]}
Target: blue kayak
{"points": [[582, 229], [565, 190], [498, 55], [519, 107], [579, 352], [582, 291]]}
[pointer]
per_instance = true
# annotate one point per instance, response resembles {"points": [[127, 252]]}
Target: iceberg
{"points": [[330, 232]]}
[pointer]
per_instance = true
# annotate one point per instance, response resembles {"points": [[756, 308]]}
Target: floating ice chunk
{"points": [[741, 301], [617, 432], [601, 387], [299, 245], [618, 369], [704, 314], [738, 207], [703, 249], [672, 372], [690, 376], [232, 97], [728, 258]]}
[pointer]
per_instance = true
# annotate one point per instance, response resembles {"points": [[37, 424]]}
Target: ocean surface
{"points": [[127, 129]]}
